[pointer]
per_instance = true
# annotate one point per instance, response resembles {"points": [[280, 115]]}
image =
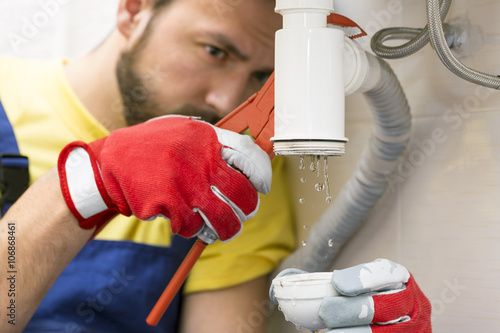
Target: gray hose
{"points": [[392, 124], [439, 41], [418, 38]]}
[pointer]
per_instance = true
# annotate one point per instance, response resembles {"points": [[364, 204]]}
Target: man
{"points": [[198, 58]]}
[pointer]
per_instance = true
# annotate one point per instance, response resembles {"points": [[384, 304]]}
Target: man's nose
{"points": [[226, 95]]}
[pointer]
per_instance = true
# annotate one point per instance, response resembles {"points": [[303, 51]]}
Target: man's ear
{"points": [[129, 14]]}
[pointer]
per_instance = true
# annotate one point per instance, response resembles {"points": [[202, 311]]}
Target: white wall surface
{"points": [[442, 217], [51, 29]]}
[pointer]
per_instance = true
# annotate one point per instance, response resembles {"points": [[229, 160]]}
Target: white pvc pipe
{"points": [[309, 81]]}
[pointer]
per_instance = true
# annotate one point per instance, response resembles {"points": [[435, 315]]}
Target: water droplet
{"points": [[304, 243], [302, 200], [319, 187], [305, 227], [330, 242], [312, 167], [302, 165], [318, 167], [303, 179], [327, 182]]}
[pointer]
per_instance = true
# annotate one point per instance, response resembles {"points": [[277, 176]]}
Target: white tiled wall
{"points": [[442, 219]]}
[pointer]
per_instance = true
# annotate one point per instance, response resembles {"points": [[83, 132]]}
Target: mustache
{"points": [[152, 110], [209, 116]]}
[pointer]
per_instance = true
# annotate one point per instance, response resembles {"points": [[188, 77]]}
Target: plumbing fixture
{"points": [[309, 85], [418, 38], [433, 32], [438, 40], [463, 37]]}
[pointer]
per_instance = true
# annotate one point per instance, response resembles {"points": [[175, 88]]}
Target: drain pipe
{"points": [[392, 123]]}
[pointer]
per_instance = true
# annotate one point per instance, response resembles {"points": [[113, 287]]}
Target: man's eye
{"points": [[262, 77], [215, 51]]}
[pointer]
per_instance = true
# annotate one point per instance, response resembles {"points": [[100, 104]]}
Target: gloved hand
{"points": [[379, 297], [184, 169]]}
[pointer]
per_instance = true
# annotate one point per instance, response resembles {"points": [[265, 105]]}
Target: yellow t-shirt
{"points": [[46, 115]]}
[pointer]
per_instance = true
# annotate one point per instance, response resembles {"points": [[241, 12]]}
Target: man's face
{"points": [[199, 57]]}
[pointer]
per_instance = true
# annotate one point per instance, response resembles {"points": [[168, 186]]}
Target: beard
{"points": [[140, 102]]}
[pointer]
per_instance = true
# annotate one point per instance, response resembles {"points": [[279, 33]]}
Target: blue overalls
{"points": [[110, 286], [14, 174]]}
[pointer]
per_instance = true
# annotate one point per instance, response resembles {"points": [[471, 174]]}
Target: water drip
{"points": [[302, 165]]}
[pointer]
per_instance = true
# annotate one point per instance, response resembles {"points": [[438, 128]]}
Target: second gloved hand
{"points": [[184, 169], [376, 297], [380, 297]]}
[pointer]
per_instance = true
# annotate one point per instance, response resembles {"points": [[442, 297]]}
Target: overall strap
{"points": [[14, 174]]}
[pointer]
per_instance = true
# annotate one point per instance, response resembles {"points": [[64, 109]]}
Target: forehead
{"points": [[252, 23]]}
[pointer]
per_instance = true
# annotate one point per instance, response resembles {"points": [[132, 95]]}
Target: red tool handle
{"points": [[176, 283]]}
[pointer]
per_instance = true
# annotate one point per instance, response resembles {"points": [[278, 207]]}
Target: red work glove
{"points": [[381, 295], [176, 167]]}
